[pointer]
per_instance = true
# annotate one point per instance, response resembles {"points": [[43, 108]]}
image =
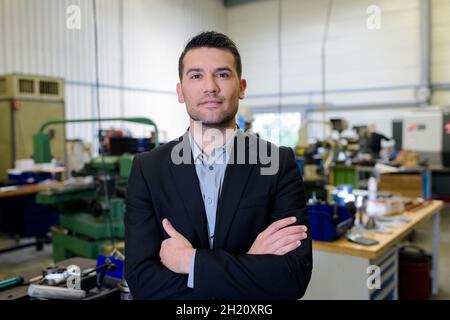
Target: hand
{"points": [[176, 251], [278, 238]]}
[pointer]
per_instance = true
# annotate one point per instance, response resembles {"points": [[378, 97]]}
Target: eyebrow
{"points": [[224, 69], [202, 70], [194, 70]]}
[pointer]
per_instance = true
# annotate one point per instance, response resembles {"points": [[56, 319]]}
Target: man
{"points": [[375, 140], [216, 225]]}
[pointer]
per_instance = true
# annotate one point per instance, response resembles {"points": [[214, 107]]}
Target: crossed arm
{"points": [[279, 238], [275, 267]]}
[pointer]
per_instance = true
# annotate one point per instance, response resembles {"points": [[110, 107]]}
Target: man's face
{"points": [[210, 86]]}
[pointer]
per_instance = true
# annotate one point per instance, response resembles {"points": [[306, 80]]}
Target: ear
{"points": [[180, 93], [242, 87]]}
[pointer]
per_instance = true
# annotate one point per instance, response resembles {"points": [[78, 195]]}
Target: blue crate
{"points": [[323, 228], [29, 177]]}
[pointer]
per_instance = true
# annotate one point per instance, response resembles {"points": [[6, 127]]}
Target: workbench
{"points": [[24, 190], [341, 268], [20, 292], [21, 217]]}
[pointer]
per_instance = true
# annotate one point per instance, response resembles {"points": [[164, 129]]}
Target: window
{"points": [[267, 125]]}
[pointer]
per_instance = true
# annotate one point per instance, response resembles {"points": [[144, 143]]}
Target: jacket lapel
{"points": [[187, 184], [234, 183]]}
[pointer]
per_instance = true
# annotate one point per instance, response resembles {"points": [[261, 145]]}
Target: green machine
{"points": [[92, 205]]}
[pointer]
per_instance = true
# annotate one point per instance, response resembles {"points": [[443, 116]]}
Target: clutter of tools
{"points": [[104, 281]]}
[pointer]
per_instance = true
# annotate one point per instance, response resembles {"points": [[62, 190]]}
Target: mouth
{"points": [[211, 103]]}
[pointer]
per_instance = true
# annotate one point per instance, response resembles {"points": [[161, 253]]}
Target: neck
{"points": [[209, 137]]}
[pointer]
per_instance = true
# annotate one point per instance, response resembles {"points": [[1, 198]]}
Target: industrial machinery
{"points": [[312, 160], [334, 149], [427, 131], [316, 159], [92, 204], [26, 101], [364, 153], [313, 154], [331, 161]]}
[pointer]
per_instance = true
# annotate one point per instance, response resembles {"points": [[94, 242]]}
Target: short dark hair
{"points": [[211, 39]]}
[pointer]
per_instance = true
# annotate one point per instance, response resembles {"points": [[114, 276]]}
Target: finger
{"points": [[287, 240], [169, 228], [277, 225], [288, 248], [286, 232]]}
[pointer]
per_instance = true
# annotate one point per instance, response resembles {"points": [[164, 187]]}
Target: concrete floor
{"points": [[15, 262]]}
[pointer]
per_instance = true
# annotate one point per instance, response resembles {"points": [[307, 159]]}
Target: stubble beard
{"points": [[222, 121]]}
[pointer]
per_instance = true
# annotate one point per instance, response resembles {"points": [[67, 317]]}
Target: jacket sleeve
{"points": [[146, 276], [220, 274]]}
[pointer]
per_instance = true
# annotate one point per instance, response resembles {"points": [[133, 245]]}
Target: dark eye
{"points": [[196, 76], [224, 75]]}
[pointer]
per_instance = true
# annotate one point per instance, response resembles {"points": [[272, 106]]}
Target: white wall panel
{"points": [[356, 56], [440, 53]]}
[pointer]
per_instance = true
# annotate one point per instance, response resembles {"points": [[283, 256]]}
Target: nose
{"points": [[211, 85]]}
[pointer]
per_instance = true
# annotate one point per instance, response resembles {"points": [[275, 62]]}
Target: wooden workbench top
{"points": [[386, 241], [30, 189]]}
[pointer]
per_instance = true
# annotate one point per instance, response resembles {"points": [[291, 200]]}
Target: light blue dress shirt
{"points": [[210, 173]]}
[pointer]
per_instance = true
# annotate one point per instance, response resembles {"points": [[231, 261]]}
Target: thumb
{"points": [[169, 228]]}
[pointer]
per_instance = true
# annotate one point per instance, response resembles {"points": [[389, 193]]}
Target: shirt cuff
{"points": [[190, 282]]}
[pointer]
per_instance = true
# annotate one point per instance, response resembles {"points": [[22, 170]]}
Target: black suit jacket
{"points": [[248, 204]]}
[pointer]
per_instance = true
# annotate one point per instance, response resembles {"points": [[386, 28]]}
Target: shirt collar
{"points": [[198, 154]]}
